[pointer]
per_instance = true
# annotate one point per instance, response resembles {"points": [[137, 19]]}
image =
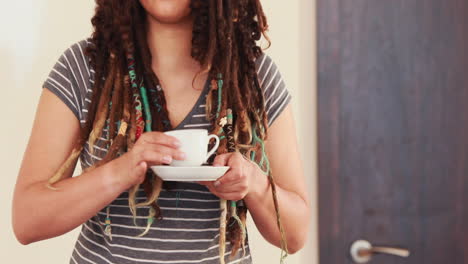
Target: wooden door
{"points": [[393, 128]]}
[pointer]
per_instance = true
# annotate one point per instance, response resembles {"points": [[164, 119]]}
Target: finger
{"points": [[222, 189], [174, 153], [228, 188], [141, 169], [156, 137], [236, 160], [211, 188], [234, 174], [232, 196], [154, 157], [221, 160]]}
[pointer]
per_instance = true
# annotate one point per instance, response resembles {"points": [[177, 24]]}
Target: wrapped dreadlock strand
{"points": [[155, 92], [217, 96], [140, 124], [119, 140], [222, 230], [153, 194], [237, 227], [242, 213], [213, 42], [152, 184], [156, 183], [209, 99], [132, 201], [153, 190], [108, 229], [98, 62], [265, 165], [232, 67], [132, 132], [229, 131], [116, 111], [284, 245], [65, 166], [144, 96], [151, 216], [123, 126], [222, 202], [231, 146], [236, 93], [139, 120], [213, 103], [103, 108], [116, 107]]}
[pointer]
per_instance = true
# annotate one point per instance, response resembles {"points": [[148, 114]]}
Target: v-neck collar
{"points": [[201, 98]]}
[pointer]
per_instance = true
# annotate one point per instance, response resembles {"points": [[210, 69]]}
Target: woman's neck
{"points": [[170, 45]]}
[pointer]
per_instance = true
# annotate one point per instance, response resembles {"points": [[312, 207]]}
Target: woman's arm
{"points": [[291, 187], [39, 212], [246, 181]]}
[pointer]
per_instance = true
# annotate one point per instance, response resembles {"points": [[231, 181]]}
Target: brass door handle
{"points": [[362, 251]]}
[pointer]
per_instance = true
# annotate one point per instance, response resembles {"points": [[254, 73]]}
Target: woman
{"points": [[153, 66]]}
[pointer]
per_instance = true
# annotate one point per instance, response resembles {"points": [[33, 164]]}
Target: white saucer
{"points": [[200, 173]]}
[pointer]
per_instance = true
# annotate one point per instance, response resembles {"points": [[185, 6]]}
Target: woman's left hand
{"points": [[238, 181]]}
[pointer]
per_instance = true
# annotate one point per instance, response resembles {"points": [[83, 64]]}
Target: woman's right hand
{"points": [[151, 148]]}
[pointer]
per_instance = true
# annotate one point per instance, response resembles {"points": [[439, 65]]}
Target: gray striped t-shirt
{"points": [[189, 230]]}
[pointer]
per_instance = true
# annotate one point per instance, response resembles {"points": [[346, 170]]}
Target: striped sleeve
{"points": [[274, 89], [62, 81]]}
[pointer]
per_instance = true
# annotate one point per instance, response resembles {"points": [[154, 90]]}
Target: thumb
{"points": [[221, 159], [141, 168]]}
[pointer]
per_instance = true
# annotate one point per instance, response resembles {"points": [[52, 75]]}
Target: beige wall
{"points": [[35, 33]]}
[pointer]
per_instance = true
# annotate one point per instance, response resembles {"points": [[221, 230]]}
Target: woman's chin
{"points": [[168, 12], [166, 19]]}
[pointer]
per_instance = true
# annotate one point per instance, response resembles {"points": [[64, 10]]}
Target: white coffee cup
{"points": [[194, 143]]}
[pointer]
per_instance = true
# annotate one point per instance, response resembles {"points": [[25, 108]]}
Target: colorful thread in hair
{"points": [[107, 224], [231, 146], [146, 107], [264, 165], [222, 202], [148, 123], [131, 72]]}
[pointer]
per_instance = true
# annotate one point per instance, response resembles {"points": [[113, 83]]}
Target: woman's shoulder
{"points": [[75, 55], [268, 73], [274, 89], [81, 44], [263, 63], [71, 77]]}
